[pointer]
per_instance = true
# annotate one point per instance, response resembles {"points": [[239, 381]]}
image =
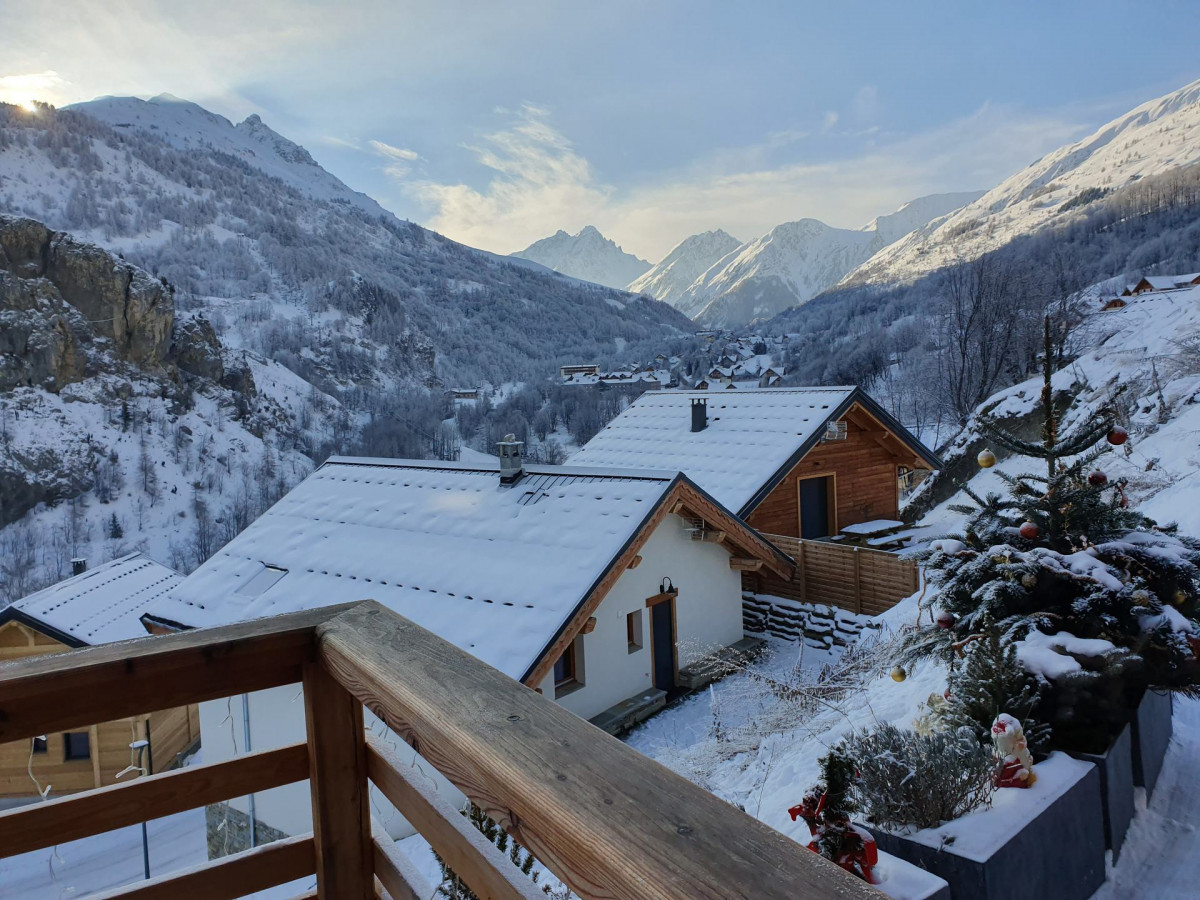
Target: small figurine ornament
{"points": [[856, 850], [1117, 436], [1029, 531], [1016, 763], [986, 459]]}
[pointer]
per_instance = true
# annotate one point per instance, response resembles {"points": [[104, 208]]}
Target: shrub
{"points": [[905, 778]]}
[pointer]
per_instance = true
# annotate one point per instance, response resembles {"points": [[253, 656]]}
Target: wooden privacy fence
{"points": [[607, 821], [855, 578]]}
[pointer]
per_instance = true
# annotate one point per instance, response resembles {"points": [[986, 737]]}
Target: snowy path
{"points": [[1163, 844]]}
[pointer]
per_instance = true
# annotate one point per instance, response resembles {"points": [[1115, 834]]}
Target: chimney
{"points": [[699, 414], [511, 462], [78, 566]]}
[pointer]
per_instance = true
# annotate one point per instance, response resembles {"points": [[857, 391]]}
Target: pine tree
{"points": [[453, 887], [1062, 553], [115, 531]]}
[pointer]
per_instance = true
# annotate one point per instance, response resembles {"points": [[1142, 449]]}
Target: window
{"points": [[39, 745], [568, 671], [633, 631], [76, 745]]}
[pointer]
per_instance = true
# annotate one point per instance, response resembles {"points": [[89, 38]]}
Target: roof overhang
{"points": [[12, 614]]}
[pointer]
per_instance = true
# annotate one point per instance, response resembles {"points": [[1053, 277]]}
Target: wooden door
{"points": [[662, 643], [815, 500]]}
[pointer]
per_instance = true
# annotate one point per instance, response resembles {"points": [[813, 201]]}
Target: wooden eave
{"points": [[12, 614], [682, 497]]}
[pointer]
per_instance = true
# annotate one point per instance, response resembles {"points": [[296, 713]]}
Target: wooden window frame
{"points": [[68, 756], [831, 500], [573, 681]]}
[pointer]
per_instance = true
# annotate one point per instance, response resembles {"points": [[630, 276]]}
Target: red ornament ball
{"points": [[1117, 436], [1097, 479], [946, 694], [946, 620], [1029, 531]]}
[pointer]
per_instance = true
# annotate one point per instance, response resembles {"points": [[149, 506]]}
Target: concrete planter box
{"points": [[1151, 734], [1044, 841], [1115, 767]]}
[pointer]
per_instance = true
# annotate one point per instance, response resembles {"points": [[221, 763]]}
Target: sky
{"points": [[500, 123]]}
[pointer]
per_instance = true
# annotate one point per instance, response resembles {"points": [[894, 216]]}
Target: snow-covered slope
{"points": [[589, 256], [1153, 138], [795, 261], [670, 278]]}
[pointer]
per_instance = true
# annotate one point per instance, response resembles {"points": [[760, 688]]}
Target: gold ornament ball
{"points": [[898, 674], [986, 459], [1180, 598], [1141, 598], [1028, 580]]}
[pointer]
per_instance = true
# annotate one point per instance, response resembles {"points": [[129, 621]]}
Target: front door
{"points": [[814, 507], [662, 644]]}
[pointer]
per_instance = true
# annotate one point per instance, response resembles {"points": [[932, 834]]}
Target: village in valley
{"points": [[342, 559]]}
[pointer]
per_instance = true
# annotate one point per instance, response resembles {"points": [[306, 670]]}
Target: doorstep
{"points": [[624, 715], [716, 665]]}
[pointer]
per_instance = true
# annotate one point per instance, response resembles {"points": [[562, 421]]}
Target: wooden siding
{"points": [[172, 731], [864, 466], [852, 578]]}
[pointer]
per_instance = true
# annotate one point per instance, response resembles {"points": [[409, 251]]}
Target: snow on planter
{"points": [[1043, 841], [902, 880]]}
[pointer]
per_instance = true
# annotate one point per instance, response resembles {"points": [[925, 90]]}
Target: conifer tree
{"points": [[453, 887], [1062, 554]]}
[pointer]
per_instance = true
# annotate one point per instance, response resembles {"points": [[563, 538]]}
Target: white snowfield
{"points": [[669, 278], [104, 604], [749, 437], [495, 570], [1159, 135]]}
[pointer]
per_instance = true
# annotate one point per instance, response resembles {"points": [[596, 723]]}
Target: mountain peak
{"points": [[588, 255]]}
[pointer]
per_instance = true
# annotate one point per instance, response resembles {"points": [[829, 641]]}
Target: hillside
{"points": [[291, 263], [1158, 136], [669, 279], [796, 261], [588, 256]]}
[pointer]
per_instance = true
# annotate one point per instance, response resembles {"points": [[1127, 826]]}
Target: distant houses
{"points": [[98, 606], [1149, 284]]}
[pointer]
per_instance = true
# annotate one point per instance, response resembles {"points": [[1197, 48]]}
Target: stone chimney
{"points": [[512, 463], [78, 566], [699, 414]]}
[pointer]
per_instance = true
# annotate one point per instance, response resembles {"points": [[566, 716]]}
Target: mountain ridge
{"points": [[588, 256]]}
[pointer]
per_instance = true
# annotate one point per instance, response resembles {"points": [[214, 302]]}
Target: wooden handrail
{"points": [[231, 877], [118, 805], [608, 821], [61, 691]]}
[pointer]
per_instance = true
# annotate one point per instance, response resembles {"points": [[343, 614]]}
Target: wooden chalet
{"points": [[94, 607]]}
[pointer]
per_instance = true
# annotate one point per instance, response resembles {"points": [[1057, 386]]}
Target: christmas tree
{"points": [[1101, 601]]}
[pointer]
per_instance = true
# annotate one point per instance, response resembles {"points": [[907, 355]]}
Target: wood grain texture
{"points": [[608, 821], [66, 691], [338, 781], [395, 871], [487, 871], [229, 877], [116, 806]]}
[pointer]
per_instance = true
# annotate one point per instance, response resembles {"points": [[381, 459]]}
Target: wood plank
{"points": [[229, 877], [396, 871], [338, 779], [741, 564], [608, 821], [149, 797], [65, 691], [487, 871]]}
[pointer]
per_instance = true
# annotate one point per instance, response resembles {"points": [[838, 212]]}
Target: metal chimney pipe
{"points": [[78, 566], [699, 413], [512, 463]]}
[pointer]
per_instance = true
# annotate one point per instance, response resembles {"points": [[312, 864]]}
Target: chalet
{"points": [[800, 462], [1113, 303], [598, 589], [1149, 283], [568, 371], [93, 607], [463, 393]]}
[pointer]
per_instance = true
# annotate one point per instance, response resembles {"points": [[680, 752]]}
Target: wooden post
{"points": [[857, 582], [802, 572], [338, 779]]}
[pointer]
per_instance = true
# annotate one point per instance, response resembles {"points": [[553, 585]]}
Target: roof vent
{"points": [[78, 566], [699, 414], [512, 463]]}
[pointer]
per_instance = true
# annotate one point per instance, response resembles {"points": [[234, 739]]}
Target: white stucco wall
{"points": [[708, 614]]}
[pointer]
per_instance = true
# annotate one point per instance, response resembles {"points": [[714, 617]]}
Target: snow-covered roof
{"points": [[751, 436], [101, 605], [498, 571]]}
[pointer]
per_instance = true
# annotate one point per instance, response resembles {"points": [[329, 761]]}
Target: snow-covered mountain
{"points": [[795, 261], [670, 278], [589, 256], [1157, 136]]}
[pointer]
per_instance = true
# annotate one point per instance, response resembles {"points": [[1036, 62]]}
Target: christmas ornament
{"points": [[1029, 531], [1117, 436], [1179, 599], [1016, 763], [946, 620], [1097, 479], [898, 674], [1141, 597], [986, 459], [1028, 580], [946, 694], [856, 851]]}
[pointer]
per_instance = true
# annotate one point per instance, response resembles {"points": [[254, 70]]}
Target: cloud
{"points": [[48, 86], [398, 158], [538, 183]]}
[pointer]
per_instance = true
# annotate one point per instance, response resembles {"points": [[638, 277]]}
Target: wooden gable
{"points": [[864, 468]]}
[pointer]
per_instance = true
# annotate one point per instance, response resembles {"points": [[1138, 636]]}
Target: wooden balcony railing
{"points": [[607, 821]]}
